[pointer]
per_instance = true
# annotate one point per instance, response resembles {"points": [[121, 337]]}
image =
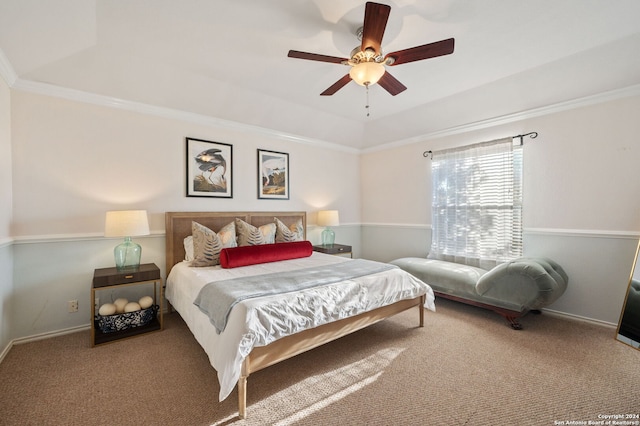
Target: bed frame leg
{"points": [[242, 397], [423, 299]]}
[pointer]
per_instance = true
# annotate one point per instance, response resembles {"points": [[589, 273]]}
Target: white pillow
{"points": [[188, 248]]}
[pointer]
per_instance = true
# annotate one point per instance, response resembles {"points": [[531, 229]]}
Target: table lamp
{"points": [[127, 224], [328, 218]]}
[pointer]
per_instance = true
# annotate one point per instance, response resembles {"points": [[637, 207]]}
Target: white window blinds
{"points": [[477, 204]]}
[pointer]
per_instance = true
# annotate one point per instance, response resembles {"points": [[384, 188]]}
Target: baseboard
{"points": [[5, 351], [42, 336], [580, 318], [48, 335]]}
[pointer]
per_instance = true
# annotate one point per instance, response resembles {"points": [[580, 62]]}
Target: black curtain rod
{"points": [[532, 135]]}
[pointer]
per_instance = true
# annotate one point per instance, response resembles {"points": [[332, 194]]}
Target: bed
{"points": [[237, 352]]}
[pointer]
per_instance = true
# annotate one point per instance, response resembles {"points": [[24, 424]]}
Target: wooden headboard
{"points": [[178, 226]]}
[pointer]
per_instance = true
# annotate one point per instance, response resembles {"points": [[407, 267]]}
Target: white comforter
{"points": [[260, 321]]}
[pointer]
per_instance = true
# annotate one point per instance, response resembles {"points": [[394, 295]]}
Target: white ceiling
{"points": [[228, 59]]}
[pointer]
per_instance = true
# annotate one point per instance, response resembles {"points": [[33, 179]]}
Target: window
{"points": [[477, 204]]}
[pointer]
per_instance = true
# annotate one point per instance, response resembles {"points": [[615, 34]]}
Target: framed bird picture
{"points": [[209, 169], [273, 175]]}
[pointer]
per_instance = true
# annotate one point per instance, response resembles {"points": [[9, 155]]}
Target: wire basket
{"points": [[127, 320]]}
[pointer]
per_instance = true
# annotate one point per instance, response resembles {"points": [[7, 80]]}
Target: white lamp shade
{"points": [[367, 73], [126, 223], [328, 218]]}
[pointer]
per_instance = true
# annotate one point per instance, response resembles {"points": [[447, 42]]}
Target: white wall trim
{"points": [[169, 113], [586, 233], [6, 70], [42, 336], [50, 334], [580, 318], [511, 118], [6, 241], [5, 351], [342, 225], [58, 238], [397, 225]]}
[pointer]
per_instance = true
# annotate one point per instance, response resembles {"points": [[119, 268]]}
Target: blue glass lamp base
{"points": [[127, 254], [328, 237]]}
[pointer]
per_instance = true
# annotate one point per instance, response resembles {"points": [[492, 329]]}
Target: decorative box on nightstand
{"points": [[111, 278], [335, 249]]}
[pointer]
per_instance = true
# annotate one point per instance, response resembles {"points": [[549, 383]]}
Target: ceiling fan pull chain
{"points": [[367, 106]]}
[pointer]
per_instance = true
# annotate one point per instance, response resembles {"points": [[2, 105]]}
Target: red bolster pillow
{"points": [[252, 255]]}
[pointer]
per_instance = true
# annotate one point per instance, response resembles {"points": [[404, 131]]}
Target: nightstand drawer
{"points": [[111, 276]]}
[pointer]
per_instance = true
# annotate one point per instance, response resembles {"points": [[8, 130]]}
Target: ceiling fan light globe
{"points": [[367, 73]]}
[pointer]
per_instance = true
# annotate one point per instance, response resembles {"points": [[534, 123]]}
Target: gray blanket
{"points": [[217, 298]]}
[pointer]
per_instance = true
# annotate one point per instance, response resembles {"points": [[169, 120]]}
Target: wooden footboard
{"points": [[290, 346]]}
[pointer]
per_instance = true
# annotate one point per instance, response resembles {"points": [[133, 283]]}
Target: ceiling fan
{"points": [[367, 61]]}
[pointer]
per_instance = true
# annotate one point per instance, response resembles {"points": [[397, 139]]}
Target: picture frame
{"points": [[273, 175], [209, 169]]}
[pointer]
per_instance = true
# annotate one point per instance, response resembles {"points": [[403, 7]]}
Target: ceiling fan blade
{"points": [[375, 22], [337, 86], [391, 84], [315, 57], [426, 51]]}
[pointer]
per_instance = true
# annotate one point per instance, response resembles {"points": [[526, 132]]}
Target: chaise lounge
{"points": [[510, 289]]}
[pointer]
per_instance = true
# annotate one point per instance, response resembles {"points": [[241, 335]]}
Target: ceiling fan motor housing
{"points": [[367, 60]]}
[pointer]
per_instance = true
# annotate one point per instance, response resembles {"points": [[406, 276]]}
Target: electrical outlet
{"points": [[72, 305]]}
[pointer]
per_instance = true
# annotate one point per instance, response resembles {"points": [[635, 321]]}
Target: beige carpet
{"points": [[466, 366]]}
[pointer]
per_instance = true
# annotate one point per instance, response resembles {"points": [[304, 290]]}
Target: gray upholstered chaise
{"points": [[511, 289]]}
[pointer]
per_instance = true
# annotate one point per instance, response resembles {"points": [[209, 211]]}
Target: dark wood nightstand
{"points": [[335, 249], [110, 278]]}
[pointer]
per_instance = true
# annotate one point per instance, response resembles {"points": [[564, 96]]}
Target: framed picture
{"points": [[209, 169], [273, 175]]}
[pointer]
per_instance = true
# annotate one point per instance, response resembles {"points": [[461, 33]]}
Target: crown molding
{"points": [[169, 113], [9, 75], [611, 95]]}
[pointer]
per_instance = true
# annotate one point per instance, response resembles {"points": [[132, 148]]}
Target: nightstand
{"points": [[335, 249], [112, 278]]}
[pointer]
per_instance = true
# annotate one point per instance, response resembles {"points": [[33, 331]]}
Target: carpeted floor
{"points": [[466, 366]]}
